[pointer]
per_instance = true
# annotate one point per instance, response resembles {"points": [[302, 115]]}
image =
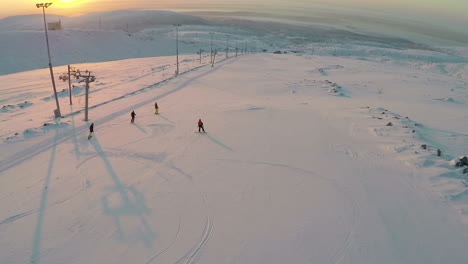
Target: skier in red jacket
{"points": [[200, 125]]}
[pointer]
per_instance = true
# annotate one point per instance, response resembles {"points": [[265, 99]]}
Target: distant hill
{"points": [[27, 22], [93, 37], [114, 20], [24, 50]]}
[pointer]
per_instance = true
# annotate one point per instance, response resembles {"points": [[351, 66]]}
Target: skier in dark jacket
{"points": [[91, 130], [200, 125], [133, 116], [156, 108]]}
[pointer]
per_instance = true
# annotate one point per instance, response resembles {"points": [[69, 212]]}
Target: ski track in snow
{"points": [[24, 214], [168, 247], [193, 254], [339, 254]]}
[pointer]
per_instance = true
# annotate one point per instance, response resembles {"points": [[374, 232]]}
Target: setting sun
{"points": [[66, 1], [70, 7]]}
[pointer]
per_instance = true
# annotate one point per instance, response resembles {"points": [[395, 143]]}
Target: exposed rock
{"points": [[464, 160], [460, 162], [389, 124], [424, 146]]}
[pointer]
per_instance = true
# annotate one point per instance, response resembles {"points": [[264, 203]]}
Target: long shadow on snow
{"points": [[35, 256], [165, 118], [74, 139], [29, 153], [219, 143], [154, 70], [140, 128], [132, 202], [155, 85]]}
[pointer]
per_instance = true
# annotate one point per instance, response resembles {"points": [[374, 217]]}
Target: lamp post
{"points": [[88, 78], [177, 46], [211, 46], [227, 45], [44, 6]]}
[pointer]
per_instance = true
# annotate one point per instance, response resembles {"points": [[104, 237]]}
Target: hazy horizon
{"points": [[423, 17], [449, 10]]}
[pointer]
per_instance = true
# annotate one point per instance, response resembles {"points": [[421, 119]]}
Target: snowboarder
{"points": [[156, 108], [200, 125], [133, 116], [91, 130]]}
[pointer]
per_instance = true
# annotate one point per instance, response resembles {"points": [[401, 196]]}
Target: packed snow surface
{"points": [[306, 159]]}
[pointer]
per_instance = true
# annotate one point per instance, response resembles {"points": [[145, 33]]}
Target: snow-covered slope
{"points": [[298, 164], [26, 50]]}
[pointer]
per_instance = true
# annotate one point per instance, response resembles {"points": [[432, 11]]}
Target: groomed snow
{"points": [[298, 164]]}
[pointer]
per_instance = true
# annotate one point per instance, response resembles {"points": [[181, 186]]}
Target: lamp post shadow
{"points": [[140, 128], [131, 203], [36, 248], [219, 143], [165, 118], [73, 131]]}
